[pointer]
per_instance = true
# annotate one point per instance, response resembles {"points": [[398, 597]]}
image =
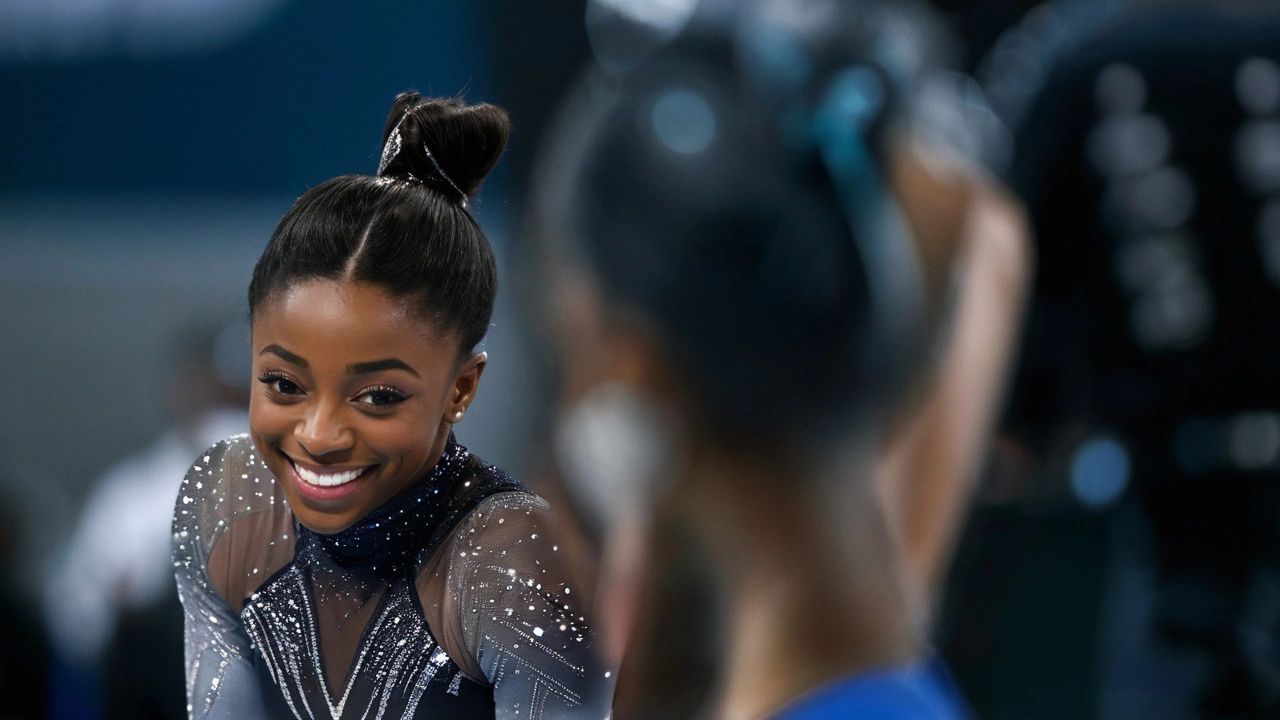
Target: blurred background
{"points": [[1121, 557]]}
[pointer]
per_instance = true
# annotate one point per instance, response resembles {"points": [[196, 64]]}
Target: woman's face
{"points": [[354, 399]]}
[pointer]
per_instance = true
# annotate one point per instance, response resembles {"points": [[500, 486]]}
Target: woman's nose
{"points": [[323, 431]]}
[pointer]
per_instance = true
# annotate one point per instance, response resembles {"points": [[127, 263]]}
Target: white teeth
{"points": [[330, 480]]}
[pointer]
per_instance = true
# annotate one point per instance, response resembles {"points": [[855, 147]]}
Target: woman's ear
{"points": [[464, 387]]}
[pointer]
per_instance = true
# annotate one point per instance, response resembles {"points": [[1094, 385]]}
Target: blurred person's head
{"points": [[367, 308], [740, 224], [737, 295], [213, 368]]}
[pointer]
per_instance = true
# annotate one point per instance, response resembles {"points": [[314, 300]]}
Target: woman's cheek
{"points": [[396, 436], [406, 435], [268, 422]]}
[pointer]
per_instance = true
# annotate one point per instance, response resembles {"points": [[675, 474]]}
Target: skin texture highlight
{"points": [[350, 379]]}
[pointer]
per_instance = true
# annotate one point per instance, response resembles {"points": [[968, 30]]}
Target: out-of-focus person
{"points": [[111, 604], [24, 645], [1148, 153], [769, 295]]}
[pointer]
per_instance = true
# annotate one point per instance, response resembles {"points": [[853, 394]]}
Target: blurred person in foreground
{"points": [[111, 603], [748, 259], [24, 644]]}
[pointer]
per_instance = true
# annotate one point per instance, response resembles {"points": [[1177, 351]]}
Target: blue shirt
{"points": [[921, 691]]}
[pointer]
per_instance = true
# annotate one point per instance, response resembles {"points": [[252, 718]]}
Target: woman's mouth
{"points": [[329, 479], [327, 483]]}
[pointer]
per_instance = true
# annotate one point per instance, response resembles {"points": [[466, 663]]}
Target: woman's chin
{"points": [[324, 522]]}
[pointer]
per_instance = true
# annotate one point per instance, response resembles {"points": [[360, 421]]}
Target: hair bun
{"points": [[444, 143]]}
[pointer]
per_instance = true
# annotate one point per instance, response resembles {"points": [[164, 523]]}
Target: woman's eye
{"points": [[280, 384], [380, 397]]}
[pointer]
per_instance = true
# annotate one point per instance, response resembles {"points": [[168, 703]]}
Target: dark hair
{"points": [[407, 229], [699, 203]]}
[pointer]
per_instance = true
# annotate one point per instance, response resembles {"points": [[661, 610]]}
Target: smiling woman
{"points": [[342, 405], [349, 558]]}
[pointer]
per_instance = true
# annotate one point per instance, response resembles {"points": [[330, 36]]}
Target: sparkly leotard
{"points": [[450, 601]]}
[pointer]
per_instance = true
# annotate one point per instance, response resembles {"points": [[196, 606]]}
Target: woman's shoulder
{"points": [[231, 478], [233, 453], [231, 526], [483, 478], [497, 505], [520, 506], [512, 532], [504, 512], [225, 484]]}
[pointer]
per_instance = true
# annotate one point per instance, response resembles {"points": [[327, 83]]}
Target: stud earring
{"points": [[457, 415]]}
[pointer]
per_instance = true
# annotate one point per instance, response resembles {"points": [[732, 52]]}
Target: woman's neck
{"points": [[808, 578]]}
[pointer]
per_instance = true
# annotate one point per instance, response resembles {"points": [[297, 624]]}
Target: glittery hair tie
{"points": [[391, 150]]}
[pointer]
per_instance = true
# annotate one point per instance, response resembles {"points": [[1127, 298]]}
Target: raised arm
{"points": [[934, 460]]}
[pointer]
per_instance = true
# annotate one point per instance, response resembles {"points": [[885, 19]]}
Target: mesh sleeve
{"points": [[221, 681], [521, 625]]}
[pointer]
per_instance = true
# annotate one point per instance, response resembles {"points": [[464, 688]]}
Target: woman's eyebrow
{"points": [[285, 355], [376, 365]]}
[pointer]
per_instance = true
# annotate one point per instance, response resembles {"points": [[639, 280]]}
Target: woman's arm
{"points": [[221, 682], [522, 624], [935, 457]]}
